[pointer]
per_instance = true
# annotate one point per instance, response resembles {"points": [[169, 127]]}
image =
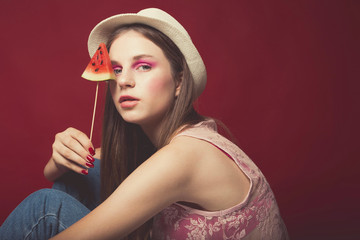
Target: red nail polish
{"points": [[85, 172], [90, 158], [89, 164], [92, 151]]}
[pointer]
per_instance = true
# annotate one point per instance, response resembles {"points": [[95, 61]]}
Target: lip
{"points": [[127, 101]]}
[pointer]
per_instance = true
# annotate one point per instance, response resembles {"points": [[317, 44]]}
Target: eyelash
{"points": [[142, 65], [137, 66], [117, 69]]}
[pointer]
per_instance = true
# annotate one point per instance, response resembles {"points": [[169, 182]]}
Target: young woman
{"points": [[165, 171]]}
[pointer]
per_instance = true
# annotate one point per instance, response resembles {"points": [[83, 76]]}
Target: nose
{"points": [[126, 79]]}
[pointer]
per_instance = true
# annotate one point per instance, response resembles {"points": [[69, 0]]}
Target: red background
{"points": [[283, 76]]}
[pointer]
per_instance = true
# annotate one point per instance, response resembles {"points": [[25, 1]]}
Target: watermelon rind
{"points": [[98, 76]]}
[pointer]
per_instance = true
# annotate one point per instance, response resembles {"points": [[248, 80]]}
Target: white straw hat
{"points": [[163, 22]]}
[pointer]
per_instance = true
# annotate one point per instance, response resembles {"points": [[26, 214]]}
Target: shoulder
{"points": [[177, 155], [185, 148], [168, 170], [185, 154], [178, 160]]}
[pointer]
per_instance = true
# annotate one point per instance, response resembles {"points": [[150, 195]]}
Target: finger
{"points": [[83, 139], [70, 154], [62, 162], [70, 140]]}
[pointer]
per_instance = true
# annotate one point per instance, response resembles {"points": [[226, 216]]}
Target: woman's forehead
{"points": [[130, 44]]}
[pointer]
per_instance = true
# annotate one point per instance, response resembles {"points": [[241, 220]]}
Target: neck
{"points": [[153, 133]]}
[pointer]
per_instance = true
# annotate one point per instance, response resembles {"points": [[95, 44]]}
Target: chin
{"points": [[133, 118], [144, 121]]}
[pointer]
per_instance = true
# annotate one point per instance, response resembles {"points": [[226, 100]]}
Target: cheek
{"points": [[161, 86]]}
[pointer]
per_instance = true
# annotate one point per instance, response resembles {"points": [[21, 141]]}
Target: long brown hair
{"points": [[124, 145]]}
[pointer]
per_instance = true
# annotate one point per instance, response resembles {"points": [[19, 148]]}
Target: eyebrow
{"points": [[142, 56], [138, 57]]}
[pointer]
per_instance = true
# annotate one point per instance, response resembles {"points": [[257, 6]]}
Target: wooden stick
{"points": [[93, 117]]}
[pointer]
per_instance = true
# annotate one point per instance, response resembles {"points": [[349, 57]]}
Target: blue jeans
{"points": [[47, 212]]}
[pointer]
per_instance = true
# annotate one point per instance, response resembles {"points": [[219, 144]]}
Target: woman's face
{"points": [[144, 88]]}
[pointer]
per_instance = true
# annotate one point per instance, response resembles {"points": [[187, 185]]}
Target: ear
{"points": [[179, 81]]}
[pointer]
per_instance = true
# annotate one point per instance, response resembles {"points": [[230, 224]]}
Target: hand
{"points": [[72, 150]]}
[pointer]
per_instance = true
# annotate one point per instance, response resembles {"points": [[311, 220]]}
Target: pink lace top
{"points": [[257, 217]]}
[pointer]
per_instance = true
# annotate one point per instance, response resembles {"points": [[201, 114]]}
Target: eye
{"points": [[117, 70], [143, 67]]}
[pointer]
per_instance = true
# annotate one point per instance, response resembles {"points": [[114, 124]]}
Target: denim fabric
{"points": [[86, 189], [47, 212]]}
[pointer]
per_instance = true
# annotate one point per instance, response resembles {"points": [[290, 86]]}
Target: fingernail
{"points": [[90, 158], [92, 151], [85, 172], [89, 164]]}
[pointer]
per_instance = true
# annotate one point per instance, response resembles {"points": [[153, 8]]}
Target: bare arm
{"points": [[70, 152], [158, 182]]}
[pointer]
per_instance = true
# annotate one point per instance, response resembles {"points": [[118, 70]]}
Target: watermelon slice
{"points": [[99, 67]]}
